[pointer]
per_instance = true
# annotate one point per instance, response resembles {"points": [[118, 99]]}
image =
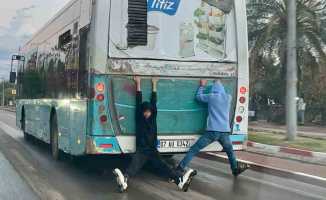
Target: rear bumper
{"points": [[126, 144]]}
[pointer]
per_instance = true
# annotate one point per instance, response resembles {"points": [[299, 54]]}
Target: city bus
{"points": [[75, 86]]}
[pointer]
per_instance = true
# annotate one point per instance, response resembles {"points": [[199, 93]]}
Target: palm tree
{"points": [[267, 20]]}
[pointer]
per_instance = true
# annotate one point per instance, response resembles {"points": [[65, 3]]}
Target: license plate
{"points": [[177, 143]]}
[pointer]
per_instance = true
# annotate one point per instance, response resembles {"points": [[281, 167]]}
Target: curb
{"points": [[298, 176], [292, 153], [280, 131]]}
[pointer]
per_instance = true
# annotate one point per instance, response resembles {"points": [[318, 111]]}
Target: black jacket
{"points": [[146, 129]]}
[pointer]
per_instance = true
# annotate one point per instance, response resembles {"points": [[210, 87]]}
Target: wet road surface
{"points": [[91, 177]]}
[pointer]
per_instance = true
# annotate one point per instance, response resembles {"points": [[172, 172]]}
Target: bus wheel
{"points": [[27, 137], [54, 140]]}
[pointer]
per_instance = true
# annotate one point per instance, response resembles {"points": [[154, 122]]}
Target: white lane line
{"points": [[225, 157], [273, 168], [310, 176]]}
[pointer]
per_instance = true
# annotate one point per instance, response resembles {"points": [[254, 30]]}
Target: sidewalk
{"points": [[317, 132], [12, 186], [282, 164]]}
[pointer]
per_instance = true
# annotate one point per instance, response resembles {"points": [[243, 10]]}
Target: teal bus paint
{"points": [[76, 89]]}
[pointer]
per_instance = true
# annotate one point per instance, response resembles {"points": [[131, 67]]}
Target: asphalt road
{"points": [[91, 177]]}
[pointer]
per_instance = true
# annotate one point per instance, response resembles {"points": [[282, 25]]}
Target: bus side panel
{"points": [[78, 127], [44, 125], [19, 107], [32, 119], [36, 118]]}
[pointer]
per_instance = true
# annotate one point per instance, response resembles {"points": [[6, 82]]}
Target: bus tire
{"points": [[27, 137], [54, 137]]}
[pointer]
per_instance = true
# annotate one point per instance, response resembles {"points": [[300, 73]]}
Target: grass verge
{"points": [[310, 144]]}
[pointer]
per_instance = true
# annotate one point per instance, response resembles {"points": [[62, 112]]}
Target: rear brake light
{"points": [[100, 97], [100, 87], [106, 146], [243, 90], [239, 119], [242, 99], [103, 118], [237, 142]]}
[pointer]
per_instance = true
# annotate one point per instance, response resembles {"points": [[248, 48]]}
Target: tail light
{"points": [[239, 119], [243, 90], [100, 97], [106, 146], [100, 87], [242, 100], [103, 119]]}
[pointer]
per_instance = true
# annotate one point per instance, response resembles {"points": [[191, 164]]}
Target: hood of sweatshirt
{"points": [[218, 88]]}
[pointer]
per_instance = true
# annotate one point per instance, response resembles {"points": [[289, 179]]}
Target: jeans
{"points": [[205, 140], [141, 158]]}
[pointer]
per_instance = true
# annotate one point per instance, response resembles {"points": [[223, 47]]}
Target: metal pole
{"points": [[3, 92], [292, 76]]}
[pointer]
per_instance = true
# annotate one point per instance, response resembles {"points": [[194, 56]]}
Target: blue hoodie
{"points": [[219, 105]]}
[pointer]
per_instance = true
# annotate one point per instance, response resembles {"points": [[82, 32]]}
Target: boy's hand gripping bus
{"points": [[76, 89]]}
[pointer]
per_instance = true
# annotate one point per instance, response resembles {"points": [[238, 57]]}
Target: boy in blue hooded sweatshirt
{"points": [[218, 126]]}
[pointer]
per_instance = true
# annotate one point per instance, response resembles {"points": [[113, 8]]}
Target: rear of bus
{"points": [[181, 42]]}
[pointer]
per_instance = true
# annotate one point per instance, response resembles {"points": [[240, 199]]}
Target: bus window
{"points": [[83, 62]]}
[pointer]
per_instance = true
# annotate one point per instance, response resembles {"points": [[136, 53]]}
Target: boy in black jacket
{"points": [[146, 144]]}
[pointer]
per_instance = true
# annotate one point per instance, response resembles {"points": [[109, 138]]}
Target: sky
{"points": [[19, 20]]}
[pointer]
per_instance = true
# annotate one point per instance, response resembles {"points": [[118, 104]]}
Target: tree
{"points": [[267, 20], [8, 92]]}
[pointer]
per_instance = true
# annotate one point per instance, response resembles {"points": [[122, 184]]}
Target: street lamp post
{"points": [[292, 79], [3, 91]]}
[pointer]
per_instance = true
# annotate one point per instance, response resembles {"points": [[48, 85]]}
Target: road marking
{"points": [[225, 157], [274, 168], [310, 176]]}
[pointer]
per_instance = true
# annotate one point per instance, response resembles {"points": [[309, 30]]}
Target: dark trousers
{"points": [[153, 158]]}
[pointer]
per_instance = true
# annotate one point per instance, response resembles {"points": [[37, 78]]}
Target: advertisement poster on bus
{"points": [[190, 30]]}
